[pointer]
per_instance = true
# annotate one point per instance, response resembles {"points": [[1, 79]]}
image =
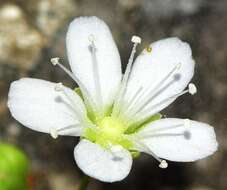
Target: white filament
{"points": [[155, 91], [153, 107], [163, 164], [88, 99], [96, 72], [60, 88], [136, 40], [55, 132]]}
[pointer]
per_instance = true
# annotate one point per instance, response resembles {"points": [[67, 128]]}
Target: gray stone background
{"points": [[33, 31]]}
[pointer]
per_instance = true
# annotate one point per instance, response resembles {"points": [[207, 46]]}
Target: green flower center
{"points": [[109, 131]]}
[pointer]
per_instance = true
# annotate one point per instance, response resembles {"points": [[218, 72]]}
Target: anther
{"points": [[187, 123], [192, 88], [116, 148], [91, 38], [55, 60], [58, 87], [136, 39], [54, 133], [163, 164], [149, 49], [178, 66]]}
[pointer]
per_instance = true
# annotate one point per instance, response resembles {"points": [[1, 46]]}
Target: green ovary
{"points": [[109, 131]]}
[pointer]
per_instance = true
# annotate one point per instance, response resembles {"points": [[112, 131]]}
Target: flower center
{"points": [[111, 127], [109, 132]]}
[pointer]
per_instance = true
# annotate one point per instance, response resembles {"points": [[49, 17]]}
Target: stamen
{"points": [[55, 60], [95, 71], [54, 133], [163, 164], [187, 123], [136, 40], [91, 38], [149, 49], [130, 103], [156, 90], [192, 88], [88, 98], [152, 107], [116, 148], [60, 88]]}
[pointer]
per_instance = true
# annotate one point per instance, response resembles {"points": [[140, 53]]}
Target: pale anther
{"points": [[116, 148], [54, 133], [136, 39], [192, 88], [91, 38], [178, 66], [163, 164], [58, 87], [187, 123], [55, 60]]}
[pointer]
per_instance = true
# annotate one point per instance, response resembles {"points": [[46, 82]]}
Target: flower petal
{"points": [[161, 71], [101, 73], [101, 164], [180, 140], [36, 104]]}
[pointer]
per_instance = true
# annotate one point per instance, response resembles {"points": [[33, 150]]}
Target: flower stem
{"points": [[84, 183]]}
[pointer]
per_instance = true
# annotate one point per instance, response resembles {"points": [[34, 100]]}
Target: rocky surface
{"points": [[33, 31]]}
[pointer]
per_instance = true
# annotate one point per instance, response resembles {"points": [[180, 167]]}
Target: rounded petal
{"points": [[36, 104], [179, 140], [99, 72], [162, 70], [102, 164]]}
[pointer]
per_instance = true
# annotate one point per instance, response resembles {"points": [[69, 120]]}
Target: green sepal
{"points": [[135, 154], [79, 93], [90, 113]]}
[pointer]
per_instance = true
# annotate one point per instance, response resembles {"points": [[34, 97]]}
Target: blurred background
{"points": [[33, 31]]}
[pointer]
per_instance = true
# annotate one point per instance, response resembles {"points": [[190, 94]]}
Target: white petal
{"points": [[179, 139], [152, 67], [80, 34], [101, 164], [36, 104]]}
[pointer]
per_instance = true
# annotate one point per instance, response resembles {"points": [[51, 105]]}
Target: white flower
{"points": [[116, 116]]}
